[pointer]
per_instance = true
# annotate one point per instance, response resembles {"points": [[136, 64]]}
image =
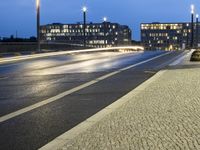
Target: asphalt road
{"points": [[25, 83]]}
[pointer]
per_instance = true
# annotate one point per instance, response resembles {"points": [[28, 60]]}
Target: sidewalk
{"points": [[163, 113]]}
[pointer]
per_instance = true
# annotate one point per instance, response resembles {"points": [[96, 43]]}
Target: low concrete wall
{"points": [[8, 47]]}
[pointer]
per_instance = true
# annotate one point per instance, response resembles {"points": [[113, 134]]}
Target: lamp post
{"points": [[192, 27], [168, 42], [38, 23], [187, 45], [104, 23], [197, 30], [84, 25]]}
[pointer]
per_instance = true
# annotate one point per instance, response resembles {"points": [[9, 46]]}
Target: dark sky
{"points": [[19, 15]]}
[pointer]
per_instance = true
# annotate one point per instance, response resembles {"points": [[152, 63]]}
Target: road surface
{"points": [[73, 87]]}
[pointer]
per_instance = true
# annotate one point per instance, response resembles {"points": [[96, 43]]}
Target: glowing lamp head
{"points": [[37, 3], [192, 9], [84, 9], [197, 15], [105, 19]]}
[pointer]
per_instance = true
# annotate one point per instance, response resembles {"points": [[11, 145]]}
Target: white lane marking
{"points": [[181, 59], [61, 95]]}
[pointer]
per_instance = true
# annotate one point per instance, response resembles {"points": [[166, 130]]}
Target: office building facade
{"points": [[97, 34], [168, 36]]}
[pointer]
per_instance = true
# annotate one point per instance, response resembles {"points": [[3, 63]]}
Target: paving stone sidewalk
{"points": [[164, 116]]}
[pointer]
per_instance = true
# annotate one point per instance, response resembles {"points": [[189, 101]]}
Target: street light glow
{"points": [[84, 9], [37, 3], [197, 15], [192, 9], [105, 19]]}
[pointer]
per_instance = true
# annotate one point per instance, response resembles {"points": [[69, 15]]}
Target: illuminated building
{"points": [[97, 34], [167, 36]]}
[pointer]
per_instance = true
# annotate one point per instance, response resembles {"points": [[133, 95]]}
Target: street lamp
{"points": [[104, 24], [187, 35], [192, 26], [38, 23], [197, 30], [105, 19], [84, 9]]}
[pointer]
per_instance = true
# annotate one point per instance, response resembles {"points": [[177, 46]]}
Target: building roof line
{"points": [[166, 23]]}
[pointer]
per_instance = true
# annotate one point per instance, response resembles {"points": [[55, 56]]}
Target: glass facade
{"points": [[97, 34], [168, 36]]}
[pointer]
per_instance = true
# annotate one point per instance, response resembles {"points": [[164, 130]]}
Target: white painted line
{"points": [[61, 95], [27, 57], [181, 59], [59, 142]]}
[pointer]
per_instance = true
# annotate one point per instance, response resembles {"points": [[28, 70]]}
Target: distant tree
{"points": [[33, 39], [12, 37]]}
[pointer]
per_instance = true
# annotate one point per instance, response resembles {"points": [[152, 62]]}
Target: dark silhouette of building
{"points": [[97, 34], [168, 36], [18, 39]]}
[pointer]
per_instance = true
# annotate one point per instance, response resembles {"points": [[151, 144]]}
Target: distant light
{"points": [[197, 15], [37, 3], [192, 9], [105, 19], [84, 9]]}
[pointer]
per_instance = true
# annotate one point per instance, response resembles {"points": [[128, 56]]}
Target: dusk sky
{"points": [[20, 15]]}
